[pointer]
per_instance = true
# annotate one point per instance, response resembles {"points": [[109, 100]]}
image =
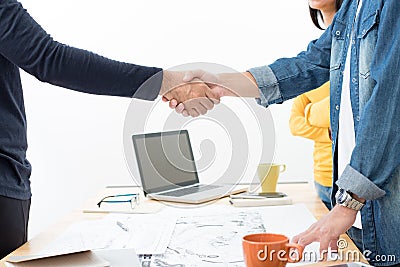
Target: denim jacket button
{"points": [[337, 33], [337, 107], [358, 118]]}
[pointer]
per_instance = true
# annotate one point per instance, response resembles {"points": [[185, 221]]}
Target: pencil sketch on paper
{"points": [[212, 240]]}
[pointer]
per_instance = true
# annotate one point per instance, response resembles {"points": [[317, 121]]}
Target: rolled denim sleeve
{"points": [[267, 85], [353, 181], [287, 78]]}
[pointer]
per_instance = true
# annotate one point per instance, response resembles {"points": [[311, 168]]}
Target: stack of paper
{"points": [[81, 259]]}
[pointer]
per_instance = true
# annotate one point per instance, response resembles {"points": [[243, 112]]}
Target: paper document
{"points": [[120, 257], [207, 240], [212, 235], [146, 233], [81, 259]]}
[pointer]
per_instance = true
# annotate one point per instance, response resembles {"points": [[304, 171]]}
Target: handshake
{"points": [[193, 93]]}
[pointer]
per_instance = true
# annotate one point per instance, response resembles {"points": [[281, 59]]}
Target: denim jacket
{"points": [[373, 172]]}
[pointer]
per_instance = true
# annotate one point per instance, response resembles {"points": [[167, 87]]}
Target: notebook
{"points": [[168, 171]]}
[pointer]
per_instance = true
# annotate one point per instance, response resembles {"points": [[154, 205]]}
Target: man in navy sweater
{"points": [[24, 44]]}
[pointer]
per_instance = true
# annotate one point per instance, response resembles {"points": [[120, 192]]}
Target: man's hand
{"points": [[328, 229], [224, 84], [196, 96], [207, 78]]}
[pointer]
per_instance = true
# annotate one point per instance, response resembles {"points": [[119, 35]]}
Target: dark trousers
{"points": [[14, 215]]}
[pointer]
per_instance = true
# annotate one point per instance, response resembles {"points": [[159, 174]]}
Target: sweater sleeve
{"points": [[299, 122], [27, 45], [317, 114]]}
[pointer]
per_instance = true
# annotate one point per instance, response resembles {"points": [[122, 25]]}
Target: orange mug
{"points": [[272, 250]]}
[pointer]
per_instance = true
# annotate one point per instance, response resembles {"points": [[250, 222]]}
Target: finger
{"points": [[173, 103], [197, 104], [296, 238], [213, 96], [185, 113], [334, 244], [305, 239], [167, 96], [311, 228], [201, 110], [180, 108], [207, 103], [323, 247], [188, 76], [193, 113], [192, 74]]}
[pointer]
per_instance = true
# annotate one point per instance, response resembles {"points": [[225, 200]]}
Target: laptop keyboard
{"points": [[189, 190]]}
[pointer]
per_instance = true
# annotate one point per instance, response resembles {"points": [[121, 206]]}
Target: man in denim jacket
{"points": [[372, 175], [367, 33]]}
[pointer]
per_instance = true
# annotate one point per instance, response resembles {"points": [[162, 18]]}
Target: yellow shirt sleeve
{"points": [[311, 119], [317, 114]]}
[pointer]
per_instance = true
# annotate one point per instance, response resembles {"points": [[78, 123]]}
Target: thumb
{"points": [[213, 96], [192, 74]]}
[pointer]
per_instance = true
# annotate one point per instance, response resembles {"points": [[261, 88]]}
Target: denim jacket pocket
{"points": [[339, 30], [367, 35], [368, 24]]}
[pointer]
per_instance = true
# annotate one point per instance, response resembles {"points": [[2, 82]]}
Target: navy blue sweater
{"points": [[24, 44]]}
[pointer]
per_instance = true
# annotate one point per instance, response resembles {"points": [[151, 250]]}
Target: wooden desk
{"points": [[300, 193]]}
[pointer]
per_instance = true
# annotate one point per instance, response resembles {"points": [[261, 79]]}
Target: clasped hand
{"points": [[191, 93]]}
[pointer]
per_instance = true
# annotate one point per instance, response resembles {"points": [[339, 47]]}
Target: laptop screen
{"points": [[165, 160]]}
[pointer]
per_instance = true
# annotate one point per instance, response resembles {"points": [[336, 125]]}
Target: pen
{"points": [[122, 226]]}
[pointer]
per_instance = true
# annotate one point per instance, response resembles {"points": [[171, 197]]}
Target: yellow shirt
{"points": [[310, 119]]}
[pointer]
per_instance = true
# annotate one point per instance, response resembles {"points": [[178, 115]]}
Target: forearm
{"points": [[299, 124], [87, 72], [238, 84], [28, 46], [317, 114], [299, 127]]}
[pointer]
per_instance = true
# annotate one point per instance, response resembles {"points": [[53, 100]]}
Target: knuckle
{"points": [[323, 231]]}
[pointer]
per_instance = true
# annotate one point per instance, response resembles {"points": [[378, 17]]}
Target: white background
{"points": [[75, 140]]}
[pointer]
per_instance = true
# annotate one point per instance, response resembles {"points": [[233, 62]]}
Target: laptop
{"points": [[168, 171]]}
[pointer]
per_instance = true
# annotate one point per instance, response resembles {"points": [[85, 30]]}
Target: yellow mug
{"points": [[269, 174]]}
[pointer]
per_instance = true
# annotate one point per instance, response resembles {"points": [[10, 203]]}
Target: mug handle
{"points": [[299, 249], [282, 168]]}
